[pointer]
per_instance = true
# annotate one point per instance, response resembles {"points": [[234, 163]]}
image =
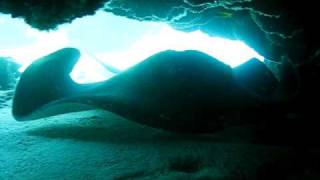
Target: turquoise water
{"points": [[116, 41]]}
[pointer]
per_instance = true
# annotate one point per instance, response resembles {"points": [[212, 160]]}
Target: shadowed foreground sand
{"points": [[100, 145]]}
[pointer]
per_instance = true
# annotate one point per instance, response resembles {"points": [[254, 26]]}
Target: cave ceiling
{"points": [[274, 28]]}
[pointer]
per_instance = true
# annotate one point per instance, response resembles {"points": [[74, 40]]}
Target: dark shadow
{"points": [[303, 164], [286, 133], [132, 133], [125, 132], [299, 132]]}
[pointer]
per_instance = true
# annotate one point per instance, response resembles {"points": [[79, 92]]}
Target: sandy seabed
{"points": [[100, 145]]}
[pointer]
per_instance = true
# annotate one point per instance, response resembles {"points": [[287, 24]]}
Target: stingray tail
{"points": [[46, 80]]}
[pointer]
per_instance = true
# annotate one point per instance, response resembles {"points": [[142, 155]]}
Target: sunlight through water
{"points": [[115, 41]]}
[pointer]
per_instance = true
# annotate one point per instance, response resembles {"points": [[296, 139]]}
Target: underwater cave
{"points": [[168, 89]]}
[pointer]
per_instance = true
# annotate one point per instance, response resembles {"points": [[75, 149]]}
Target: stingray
{"points": [[186, 91]]}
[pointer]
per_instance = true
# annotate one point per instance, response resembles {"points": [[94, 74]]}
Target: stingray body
{"points": [[177, 91]]}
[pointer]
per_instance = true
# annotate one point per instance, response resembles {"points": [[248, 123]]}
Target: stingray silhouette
{"points": [[185, 91]]}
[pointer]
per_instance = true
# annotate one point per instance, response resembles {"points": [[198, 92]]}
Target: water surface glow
{"points": [[116, 41]]}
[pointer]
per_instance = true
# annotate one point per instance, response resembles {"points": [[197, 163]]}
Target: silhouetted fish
{"points": [[185, 91]]}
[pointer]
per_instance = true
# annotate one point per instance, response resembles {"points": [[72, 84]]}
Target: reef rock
{"points": [[8, 73]]}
